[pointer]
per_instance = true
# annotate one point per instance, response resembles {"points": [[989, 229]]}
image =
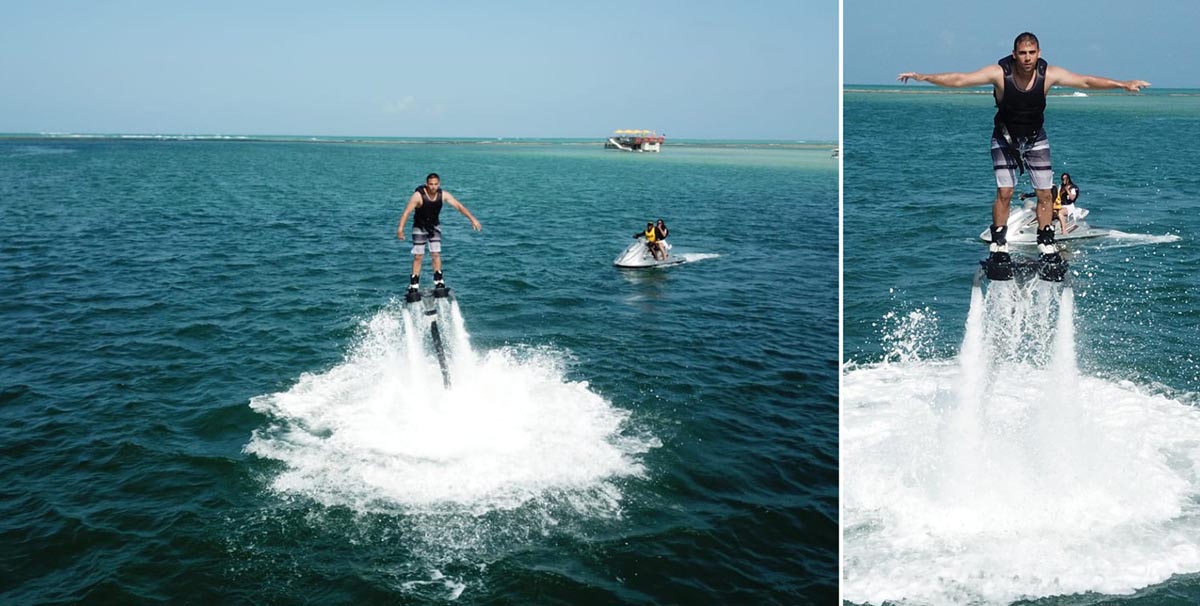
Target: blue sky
{"points": [[701, 69], [1152, 40]]}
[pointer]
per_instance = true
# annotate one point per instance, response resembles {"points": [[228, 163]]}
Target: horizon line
{"points": [[366, 138]]}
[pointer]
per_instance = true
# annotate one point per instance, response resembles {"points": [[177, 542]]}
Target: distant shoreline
{"points": [[507, 141]]}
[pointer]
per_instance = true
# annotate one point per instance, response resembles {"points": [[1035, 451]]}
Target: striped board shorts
{"points": [[1034, 152], [420, 238]]}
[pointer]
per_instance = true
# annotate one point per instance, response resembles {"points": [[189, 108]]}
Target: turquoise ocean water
{"points": [[212, 395], [1028, 444]]}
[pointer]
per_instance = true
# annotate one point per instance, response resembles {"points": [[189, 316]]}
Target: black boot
{"points": [[414, 293], [1052, 267], [1045, 239], [999, 265], [439, 286]]}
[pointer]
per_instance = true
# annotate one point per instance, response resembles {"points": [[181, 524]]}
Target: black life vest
{"points": [[1021, 113], [1066, 192], [427, 215]]}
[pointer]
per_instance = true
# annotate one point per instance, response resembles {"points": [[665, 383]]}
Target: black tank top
{"points": [[1022, 113], [426, 216]]}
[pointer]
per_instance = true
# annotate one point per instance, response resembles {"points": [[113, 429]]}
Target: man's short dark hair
{"points": [[435, 175], [1026, 37]]}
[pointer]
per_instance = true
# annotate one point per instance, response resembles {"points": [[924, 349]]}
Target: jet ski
{"points": [[1023, 225], [637, 256]]}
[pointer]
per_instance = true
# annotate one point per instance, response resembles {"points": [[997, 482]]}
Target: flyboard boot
{"points": [[1051, 266], [414, 292], [440, 290], [999, 265]]}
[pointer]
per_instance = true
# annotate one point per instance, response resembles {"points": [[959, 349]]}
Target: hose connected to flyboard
{"points": [[438, 348]]}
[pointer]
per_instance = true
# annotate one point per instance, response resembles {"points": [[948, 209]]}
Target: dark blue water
{"points": [[1058, 486], [198, 403]]}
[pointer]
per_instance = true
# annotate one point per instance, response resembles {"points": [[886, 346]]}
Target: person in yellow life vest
{"points": [[651, 237], [1060, 211]]}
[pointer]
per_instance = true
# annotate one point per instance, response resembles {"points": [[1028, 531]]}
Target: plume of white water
{"points": [[460, 344], [513, 451], [380, 431], [1064, 347], [961, 428], [1007, 474]]}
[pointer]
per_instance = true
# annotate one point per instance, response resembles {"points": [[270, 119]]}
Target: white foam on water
{"points": [[36, 150], [909, 336], [450, 589], [693, 257], [380, 433], [1006, 474], [1120, 239]]}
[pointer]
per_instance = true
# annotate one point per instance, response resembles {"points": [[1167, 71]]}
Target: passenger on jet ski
{"points": [[1069, 193], [1064, 201], [660, 237]]}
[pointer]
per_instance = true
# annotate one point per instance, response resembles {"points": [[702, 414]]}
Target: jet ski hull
{"points": [[1022, 228], [637, 256]]}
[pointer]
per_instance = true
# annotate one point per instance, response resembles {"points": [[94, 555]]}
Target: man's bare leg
{"points": [[1045, 208], [1001, 206]]}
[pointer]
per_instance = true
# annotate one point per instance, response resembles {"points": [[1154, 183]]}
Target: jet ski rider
{"points": [[651, 236]]}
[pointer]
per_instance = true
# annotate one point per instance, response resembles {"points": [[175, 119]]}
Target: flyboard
{"points": [[638, 256], [429, 303], [1002, 267]]}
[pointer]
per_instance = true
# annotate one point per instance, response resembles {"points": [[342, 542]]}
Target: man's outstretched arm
{"points": [[463, 209], [991, 74], [1062, 77]]}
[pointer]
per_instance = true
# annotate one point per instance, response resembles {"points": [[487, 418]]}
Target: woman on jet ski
{"points": [[1064, 201], [660, 237]]}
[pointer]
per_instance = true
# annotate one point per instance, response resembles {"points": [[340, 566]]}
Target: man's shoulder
{"points": [[994, 73], [1055, 73]]}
